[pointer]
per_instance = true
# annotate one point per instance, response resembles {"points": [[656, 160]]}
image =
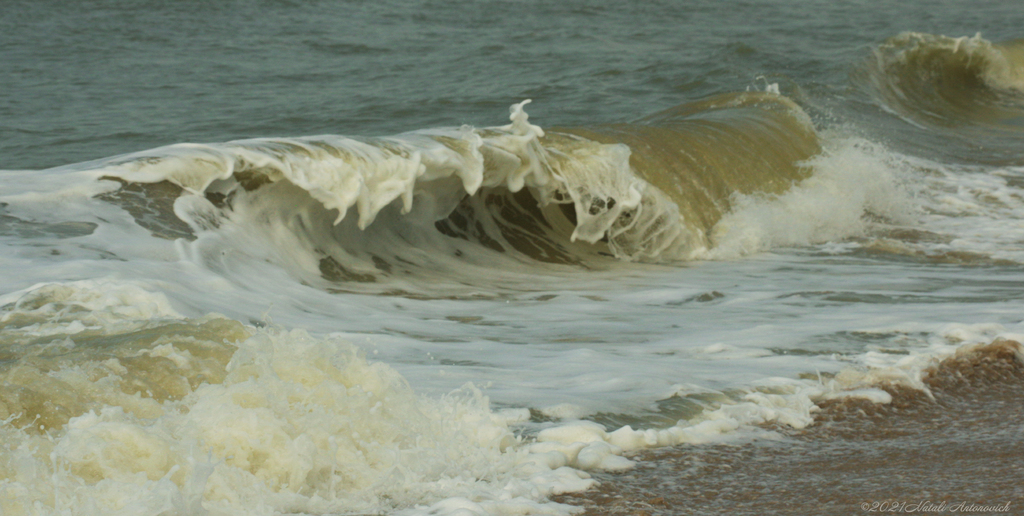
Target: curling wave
{"points": [[947, 82], [351, 209]]}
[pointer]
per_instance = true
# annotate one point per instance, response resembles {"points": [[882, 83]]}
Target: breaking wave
{"points": [[349, 209], [949, 82]]}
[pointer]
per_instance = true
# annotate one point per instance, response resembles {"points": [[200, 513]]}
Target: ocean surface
{"points": [[511, 258]]}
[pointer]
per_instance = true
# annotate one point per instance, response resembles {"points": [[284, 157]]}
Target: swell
{"points": [[650, 190], [948, 82]]}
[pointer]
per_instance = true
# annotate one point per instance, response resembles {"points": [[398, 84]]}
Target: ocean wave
{"points": [[651, 190], [944, 81]]}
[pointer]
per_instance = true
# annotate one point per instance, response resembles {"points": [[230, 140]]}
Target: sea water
{"points": [[508, 258]]}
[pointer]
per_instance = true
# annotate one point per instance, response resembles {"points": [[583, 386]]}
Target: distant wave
{"points": [[944, 81]]}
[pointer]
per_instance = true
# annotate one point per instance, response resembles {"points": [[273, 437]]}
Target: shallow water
{"points": [[304, 258], [947, 452]]}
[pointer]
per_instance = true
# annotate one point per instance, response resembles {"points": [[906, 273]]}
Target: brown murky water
{"points": [[960, 450]]}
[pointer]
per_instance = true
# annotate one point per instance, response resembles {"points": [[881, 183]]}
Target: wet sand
{"points": [[960, 451]]}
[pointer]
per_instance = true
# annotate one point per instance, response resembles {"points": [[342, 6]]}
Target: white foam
{"points": [[299, 425], [97, 304], [590, 446], [852, 178], [979, 209], [341, 172]]}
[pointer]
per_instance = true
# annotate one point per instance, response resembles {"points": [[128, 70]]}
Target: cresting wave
{"points": [[651, 190], [948, 82]]}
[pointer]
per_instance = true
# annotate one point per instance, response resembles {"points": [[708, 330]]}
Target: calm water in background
{"points": [[95, 80], [907, 247]]}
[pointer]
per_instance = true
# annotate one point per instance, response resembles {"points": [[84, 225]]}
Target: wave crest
{"points": [[353, 208], [947, 81]]}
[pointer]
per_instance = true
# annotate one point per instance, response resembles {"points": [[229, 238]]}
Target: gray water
{"points": [[91, 80]]}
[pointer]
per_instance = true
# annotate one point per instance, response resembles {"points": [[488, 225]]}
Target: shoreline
{"points": [[955, 453]]}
